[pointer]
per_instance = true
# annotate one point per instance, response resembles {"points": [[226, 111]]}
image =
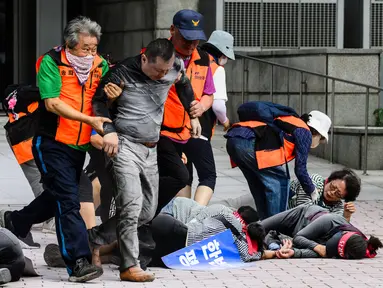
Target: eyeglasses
{"points": [[337, 192]]}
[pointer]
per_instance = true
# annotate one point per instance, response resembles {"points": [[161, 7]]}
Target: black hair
{"points": [[212, 50], [306, 118], [257, 233], [352, 182], [248, 214], [355, 247], [109, 59], [374, 243], [160, 47]]}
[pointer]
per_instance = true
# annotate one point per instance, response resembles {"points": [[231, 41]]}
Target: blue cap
{"points": [[190, 24]]}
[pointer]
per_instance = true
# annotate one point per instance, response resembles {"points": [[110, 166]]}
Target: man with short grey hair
{"points": [[132, 138], [68, 77]]}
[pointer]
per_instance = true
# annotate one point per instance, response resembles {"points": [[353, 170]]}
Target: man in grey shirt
{"points": [[131, 140]]}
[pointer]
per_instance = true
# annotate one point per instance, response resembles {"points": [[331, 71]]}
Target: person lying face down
{"points": [[184, 222], [317, 233], [341, 185]]}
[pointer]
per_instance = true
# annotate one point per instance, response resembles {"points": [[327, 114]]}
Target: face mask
{"points": [[81, 65], [222, 61], [315, 141]]}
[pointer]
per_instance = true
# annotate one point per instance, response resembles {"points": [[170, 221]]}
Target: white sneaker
{"points": [[49, 226]]}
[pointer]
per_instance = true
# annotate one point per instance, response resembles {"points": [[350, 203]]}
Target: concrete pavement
{"points": [[15, 192]]}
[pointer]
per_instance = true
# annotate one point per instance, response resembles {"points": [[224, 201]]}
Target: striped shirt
{"points": [[202, 224], [200, 230], [300, 196]]}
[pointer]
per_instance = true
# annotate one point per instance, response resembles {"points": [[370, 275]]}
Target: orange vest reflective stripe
{"points": [[275, 157], [78, 97], [176, 122]]}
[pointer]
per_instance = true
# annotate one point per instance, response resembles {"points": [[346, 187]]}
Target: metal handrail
{"points": [[327, 77], [309, 72]]}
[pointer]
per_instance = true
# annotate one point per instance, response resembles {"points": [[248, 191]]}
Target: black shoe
{"points": [[52, 256], [5, 276], [83, 271], [5, 220], [28, 243]]}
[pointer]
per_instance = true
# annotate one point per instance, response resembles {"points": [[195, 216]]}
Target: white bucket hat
{"points": [[320, 122], [224, 42]]}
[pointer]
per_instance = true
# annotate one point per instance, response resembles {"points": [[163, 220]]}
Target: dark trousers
{"points": [[173, 173], [11, 255], [169, 234], [200, 154], [60, 167], [103, 167]]}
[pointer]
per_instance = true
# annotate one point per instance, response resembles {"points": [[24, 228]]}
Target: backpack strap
{"points": [[55, 54], [230, 226]]}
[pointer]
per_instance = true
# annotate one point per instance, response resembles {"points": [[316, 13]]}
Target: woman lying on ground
{"points": [[184, 222], [318, 233], [341, 185]]}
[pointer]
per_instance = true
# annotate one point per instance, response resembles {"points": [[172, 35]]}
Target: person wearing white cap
{"points": [[219, 48], [256, 148]]}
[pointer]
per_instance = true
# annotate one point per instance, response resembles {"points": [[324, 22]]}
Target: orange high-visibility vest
{"points": [[22, 119], [23, 149], [271, 157], [176, 122], [72, 93]]}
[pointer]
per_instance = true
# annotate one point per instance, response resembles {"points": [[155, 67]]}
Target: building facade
{"points": [[29, 28]]}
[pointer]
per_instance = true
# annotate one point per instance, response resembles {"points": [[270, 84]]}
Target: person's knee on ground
{"points": [[11, 254]]}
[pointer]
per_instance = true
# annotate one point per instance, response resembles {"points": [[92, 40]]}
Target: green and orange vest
{"points": [[72, 93]]}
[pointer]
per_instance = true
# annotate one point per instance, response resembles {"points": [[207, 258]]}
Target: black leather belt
{"points": [[149, 144]]}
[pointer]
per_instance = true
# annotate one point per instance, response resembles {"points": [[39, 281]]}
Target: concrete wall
{"points": [[349, 148], [165, 10], [249, 80], [131, 24], [127, 26]]}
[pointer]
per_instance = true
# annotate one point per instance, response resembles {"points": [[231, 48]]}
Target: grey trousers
{"points": [[136, 194], [31, 172], [236, 203], [33, 176], [290, 222]]}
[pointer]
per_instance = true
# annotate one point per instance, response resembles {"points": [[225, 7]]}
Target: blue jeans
{"points": [[269, 187]]}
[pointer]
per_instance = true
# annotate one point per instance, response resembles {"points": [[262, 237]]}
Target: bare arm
{"points": [[57, 106]]}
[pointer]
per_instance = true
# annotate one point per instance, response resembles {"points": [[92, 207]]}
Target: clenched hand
{"points": [[196, 109], [110, 144], [97, 123], [196, 128]]}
